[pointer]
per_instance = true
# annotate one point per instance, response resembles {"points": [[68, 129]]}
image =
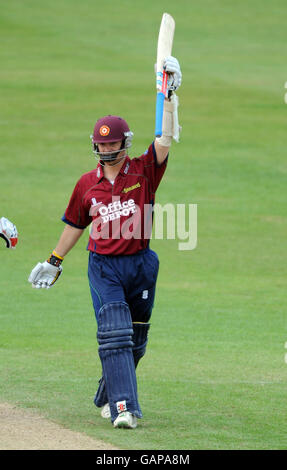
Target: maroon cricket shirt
{"points": [[120, 213]]}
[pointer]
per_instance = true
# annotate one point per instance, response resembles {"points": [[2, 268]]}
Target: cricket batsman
{"points": [[122, 268]]}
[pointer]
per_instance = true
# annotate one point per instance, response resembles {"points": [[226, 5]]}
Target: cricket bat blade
{"points": [[164, 49]]}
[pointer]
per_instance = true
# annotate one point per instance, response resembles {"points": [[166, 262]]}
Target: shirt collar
{"points": [[123, 171], [99, 171], [125, 168]]}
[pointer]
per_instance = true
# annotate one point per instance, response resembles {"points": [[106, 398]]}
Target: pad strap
{"points": [[140, 338], [115, 327]]}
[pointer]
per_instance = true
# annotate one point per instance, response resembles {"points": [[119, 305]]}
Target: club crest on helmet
{"points": [[104, 130]]}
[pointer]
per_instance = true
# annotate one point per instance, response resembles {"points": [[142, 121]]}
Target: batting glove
{"points": [[172, 67], [8, 232], [44, 275]]}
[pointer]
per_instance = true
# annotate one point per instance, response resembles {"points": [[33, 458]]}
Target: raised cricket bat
{"points": [[164, 48]]}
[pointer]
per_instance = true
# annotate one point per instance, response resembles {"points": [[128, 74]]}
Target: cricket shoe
{"points": [[125, 420], [106, 412]]}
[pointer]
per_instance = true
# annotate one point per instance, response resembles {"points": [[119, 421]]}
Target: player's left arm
{"points": [[170, 126]]}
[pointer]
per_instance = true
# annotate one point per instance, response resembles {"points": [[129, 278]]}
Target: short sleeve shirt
{"points": [[119, 214]]}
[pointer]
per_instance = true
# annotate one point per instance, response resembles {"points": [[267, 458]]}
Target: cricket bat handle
{"points": [[161, 94], [159, 113]]}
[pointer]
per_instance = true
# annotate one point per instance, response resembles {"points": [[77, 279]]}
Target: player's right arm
{"points": [[44, 275], [68, 239]]}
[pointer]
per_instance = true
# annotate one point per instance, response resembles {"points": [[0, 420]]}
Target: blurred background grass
{"points": [[214, 375]]}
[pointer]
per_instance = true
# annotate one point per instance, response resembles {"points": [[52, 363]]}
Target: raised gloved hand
{"points": [[8, 232], [172, 67], [44, 275]]}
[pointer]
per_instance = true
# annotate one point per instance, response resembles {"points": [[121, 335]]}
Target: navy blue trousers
{"points": [[123, 291], [127, 278]]}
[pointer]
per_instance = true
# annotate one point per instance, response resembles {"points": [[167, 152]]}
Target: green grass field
{"points": [[214, 375]]}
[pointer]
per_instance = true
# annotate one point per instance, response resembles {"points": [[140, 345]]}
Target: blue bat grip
{"points": [[159, 113]]}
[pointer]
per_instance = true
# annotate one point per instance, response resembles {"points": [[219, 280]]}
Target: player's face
{"points": [[111, 147]]}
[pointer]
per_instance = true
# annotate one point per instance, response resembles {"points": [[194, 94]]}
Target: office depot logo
{"points": [[115, 210]]}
